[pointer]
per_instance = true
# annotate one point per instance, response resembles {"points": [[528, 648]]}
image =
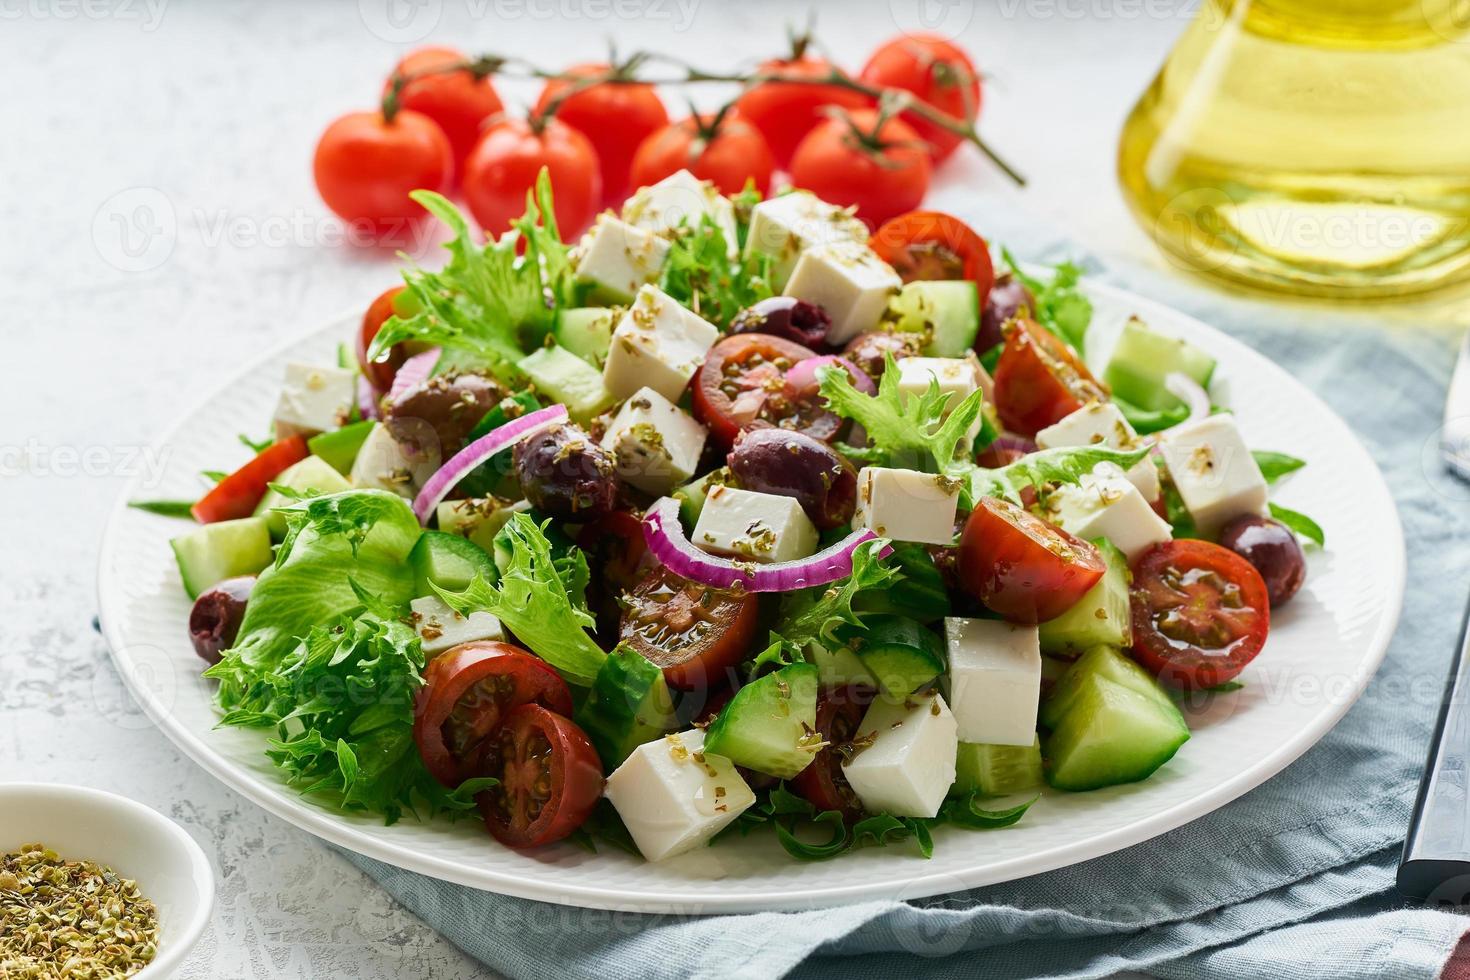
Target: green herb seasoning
{"points": [[72, 919]]}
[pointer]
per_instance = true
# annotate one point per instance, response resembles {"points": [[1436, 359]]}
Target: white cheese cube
{"points": [[784, 226], [994, 680], [382, 465], [1214, 471], [760, 526], [1103, 424], [849, 281], [908, 763], [314, 399], [657, 344], [906, 505], [1106, 504], [957, 377], [656, 444], [440, 627], [673, 797], [619, 258], [681, 200]]}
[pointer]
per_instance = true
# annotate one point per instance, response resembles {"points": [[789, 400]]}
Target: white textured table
{"points": [[160, 228]]}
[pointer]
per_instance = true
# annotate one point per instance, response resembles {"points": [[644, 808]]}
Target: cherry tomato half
{"points": [[458, 101], [616, 117], [238, 494], [1200, 613], [727, 151], [853, 162], [935, 245], [741, 385], [365, 166], [936, 71], [1022, 567], [785, 112], [840, 711], [550, 778], [505, 163], [1038, 380], [380, 373], [693, 632], [468, 691]]}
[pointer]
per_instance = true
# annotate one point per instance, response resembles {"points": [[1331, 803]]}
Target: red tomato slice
{"points": [[694, 633], [380, 373], [238, 494], [1022, 567], [1039, 381], [1200, 613], [840, 711], [550, 778], [467, 693], [935, 245], [741, 386]]}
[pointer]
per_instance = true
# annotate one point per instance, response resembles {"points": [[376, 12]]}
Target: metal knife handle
{"points": [[1436, 862]]}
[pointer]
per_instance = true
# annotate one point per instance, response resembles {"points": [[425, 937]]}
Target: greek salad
{"points": [[735, 516]]}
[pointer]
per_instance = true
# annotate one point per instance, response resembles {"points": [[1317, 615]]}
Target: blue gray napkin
{"points": [[1293, 880]]}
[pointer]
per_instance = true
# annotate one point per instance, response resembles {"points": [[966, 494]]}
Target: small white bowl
{"points": [[136, 842]]}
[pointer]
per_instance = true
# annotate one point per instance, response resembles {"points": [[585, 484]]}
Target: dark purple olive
{"points": [[867, 350], [788, 318], [1007, 297], [566, 475], [1005, 450], [214, 622], [1274, 551], [793, 464], [438, 415]]}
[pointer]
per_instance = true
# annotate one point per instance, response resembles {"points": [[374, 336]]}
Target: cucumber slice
{"points": [[920, 594], [1105, 662], [1111, 734], [901, 655], [770, 724], [998, 770], [1102, 616], [585, 331], [339, 447], [628, 704], [225, 549], [947, 313], [479, 518], [692, 494], [564, 377], [312, 473], [839, 667], [448, 561], [1144, 357]]}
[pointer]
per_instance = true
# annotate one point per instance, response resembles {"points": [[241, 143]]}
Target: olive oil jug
{"points": [[1318, 147]]}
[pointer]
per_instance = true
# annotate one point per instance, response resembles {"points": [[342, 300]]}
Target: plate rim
{"points": [[699, 898]]}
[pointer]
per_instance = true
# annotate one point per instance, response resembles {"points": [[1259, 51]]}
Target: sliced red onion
{"points": [[802, 376], [414, 371], [477, 452], [668, 543], [1188, 390], [367, 398]]}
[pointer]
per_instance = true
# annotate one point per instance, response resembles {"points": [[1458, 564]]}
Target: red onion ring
{"points": [[477, 452]]}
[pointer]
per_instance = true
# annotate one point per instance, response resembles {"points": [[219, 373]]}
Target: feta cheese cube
{"points": [[908, 762], [440, 627], [1103, 424], [849, 281], [681, 200], [314, 399], [906, 505], [761, 526], [1106, 504], [673, 797], [784, 226], [656, 444], [657, 344], [382, 465], [994, 680], [618, 258], [957, 377], [1214, 471]]}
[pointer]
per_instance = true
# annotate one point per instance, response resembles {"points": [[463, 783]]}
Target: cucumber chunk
{"points": [[448, 561], [564, 377], [628, 704], [1102, 616], [1144, 357], [901, 654], [478, 518], [339, 447], [225, 549], [311, 474], [839, 666], [998, 770], [770, 724], [585, 331], [1105, 662], [1111, 734], [947, 313]]}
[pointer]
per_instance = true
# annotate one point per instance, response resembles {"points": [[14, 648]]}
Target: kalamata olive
{"points": [[436, 417], [794, 464], [566, 475], [1004, 451], [1007, 297], [867, 350], [793, 319], [1274, 551], [214, 622]]}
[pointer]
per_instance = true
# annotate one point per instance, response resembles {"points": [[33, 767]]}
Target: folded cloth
{"points": [[1293, 880]]}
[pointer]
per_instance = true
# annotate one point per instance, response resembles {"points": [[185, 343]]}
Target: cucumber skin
{"points": [[467, 557], [1080, 628], [202, 562], [1142, 358], [1107, 662], [305, 475], [585, 331], [976, 765], [763, 725], [340, 447], [1111, 735], [627, 705], [901, 654], [945, 311]]}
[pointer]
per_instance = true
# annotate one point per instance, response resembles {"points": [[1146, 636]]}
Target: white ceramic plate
{"points": [[1323, 648]]}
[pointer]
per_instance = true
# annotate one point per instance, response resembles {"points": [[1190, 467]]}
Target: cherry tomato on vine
{"points": [[724, 149], [458, 101], [938, 73], [853, 161], [935, 245], [1038, 380], [1200, 613], [1022, 567], [614, 116], [550, 778], [785, 112], [365, 166], [503, 166]]}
